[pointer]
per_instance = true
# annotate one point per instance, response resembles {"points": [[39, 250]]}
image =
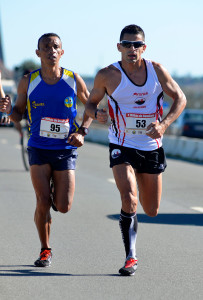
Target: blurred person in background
{"points": [[4, 119]]}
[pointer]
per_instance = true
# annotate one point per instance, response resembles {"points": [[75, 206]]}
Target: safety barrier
{"points": [[178, 147]]}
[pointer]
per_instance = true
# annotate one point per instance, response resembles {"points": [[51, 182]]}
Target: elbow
{"points": [[184, 101], [90, 110], [86, 112]]}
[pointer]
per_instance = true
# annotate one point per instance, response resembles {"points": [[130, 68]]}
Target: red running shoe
{"points": [[44, 259], [129, 268]]}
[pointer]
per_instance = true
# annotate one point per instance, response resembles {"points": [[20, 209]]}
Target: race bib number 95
{"points": [[137, 123], [54, 128]]}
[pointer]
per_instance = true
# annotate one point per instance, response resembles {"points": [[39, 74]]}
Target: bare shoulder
{"points": [[160, 70], [23, 84], [21, 100], [80, 82], [169, 85], [162, 74], [108, 72], [108, 77], [78, 78]]}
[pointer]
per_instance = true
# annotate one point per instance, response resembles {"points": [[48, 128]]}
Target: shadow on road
{"points": [[40, 272], [168, 219], [12, 171]]}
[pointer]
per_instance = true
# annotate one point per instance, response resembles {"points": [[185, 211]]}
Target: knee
{"points": [[151, 212], [63, 208], [43, 204], [129, 200]]}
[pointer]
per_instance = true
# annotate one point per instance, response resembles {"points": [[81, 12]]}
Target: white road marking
{"points": [[17, 146], [200, 209], [4, 141], [111, 180]]}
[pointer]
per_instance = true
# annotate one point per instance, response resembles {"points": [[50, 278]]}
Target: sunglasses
{"points": [[128, 44]]}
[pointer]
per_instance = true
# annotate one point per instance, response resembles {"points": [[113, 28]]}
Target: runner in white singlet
{"points": [[131, 117], [135, 89]]}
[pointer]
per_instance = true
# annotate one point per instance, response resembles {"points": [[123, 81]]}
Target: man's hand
{"points": [[76, 139], [5, 104], [155, 130], [101, 115]]}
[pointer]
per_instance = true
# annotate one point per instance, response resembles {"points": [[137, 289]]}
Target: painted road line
{"points": [[4, 141], [200, 209], [111, 180]]}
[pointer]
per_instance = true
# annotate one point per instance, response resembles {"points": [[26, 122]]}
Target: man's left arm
{"points": [[172, 89], [77, 138]]}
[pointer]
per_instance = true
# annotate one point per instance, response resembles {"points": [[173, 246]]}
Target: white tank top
{"points": [[133, 107]]}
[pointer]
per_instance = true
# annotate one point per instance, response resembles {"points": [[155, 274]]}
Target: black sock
{"points": [[42, 249], [128, 225]]}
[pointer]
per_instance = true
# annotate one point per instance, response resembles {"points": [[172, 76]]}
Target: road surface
{"points": [[86, 242]]}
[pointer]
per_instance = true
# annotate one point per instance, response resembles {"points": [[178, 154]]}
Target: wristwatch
{"points": [[85, 130]]}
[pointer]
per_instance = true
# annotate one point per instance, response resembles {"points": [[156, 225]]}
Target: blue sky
{"points": [[90, 30]]}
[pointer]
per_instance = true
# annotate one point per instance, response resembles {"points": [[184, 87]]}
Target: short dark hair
{"points": [[132, 29], [46, 35]]}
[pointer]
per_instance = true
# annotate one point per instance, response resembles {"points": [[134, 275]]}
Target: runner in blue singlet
{"points": [[50, 95]]}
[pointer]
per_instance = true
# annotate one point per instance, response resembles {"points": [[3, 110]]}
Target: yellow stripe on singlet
{"points": [[34, 75], [68, 73], [29, 110]]}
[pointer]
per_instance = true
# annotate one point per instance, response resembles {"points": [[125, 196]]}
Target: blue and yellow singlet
{"points": [[52, 111]]}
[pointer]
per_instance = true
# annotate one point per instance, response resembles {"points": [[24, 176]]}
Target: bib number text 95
{"points": [[55, 127]]}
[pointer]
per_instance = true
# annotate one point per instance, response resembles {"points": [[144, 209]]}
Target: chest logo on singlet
{"points": [[140, 100], [35, 105], [68, 102]]}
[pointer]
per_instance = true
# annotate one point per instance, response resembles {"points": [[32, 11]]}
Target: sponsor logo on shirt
{"points": [[35, 105], [68, 102], [140, 99], [141, 94], [115, 153]]}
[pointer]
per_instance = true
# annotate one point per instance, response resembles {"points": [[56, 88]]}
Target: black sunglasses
{"points": [[128, 44]]}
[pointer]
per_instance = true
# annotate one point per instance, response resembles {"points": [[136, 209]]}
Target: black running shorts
{"points": [[151, 162]]}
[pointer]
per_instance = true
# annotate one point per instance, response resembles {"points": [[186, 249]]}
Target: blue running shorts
{"points": [[59, 160]]}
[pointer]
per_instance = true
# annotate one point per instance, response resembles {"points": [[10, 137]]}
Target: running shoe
{"points": [[52, 195], [44, 259], [129, 268]]}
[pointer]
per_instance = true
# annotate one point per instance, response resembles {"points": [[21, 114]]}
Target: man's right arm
{"points": [[96, 95], [16, 113]]}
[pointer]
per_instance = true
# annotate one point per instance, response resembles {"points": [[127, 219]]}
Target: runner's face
{"points": [[50, 50], [131, 55]]}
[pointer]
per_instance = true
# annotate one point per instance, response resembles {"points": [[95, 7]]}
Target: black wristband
{"points": [[84, 130]]}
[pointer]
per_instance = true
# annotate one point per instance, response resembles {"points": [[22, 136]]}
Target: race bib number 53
{"points": [[137, 123], [54, 128]]}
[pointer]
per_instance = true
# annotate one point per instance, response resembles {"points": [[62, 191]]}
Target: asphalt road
{"points": [[86, 242]]}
